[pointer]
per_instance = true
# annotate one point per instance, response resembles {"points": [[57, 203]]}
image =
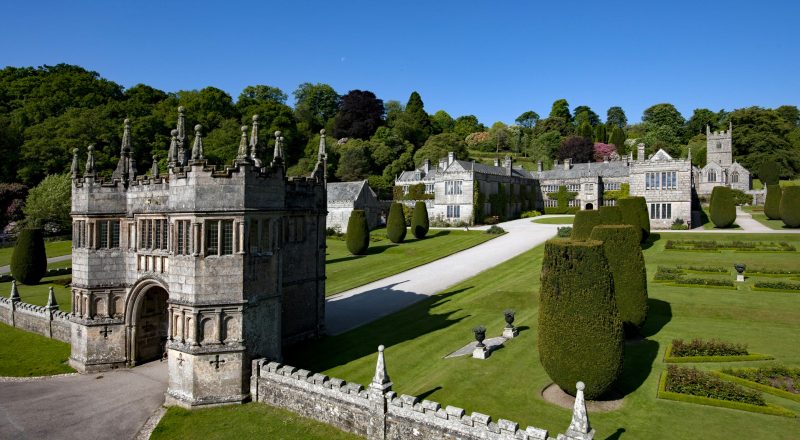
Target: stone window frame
{"points": [[711, 176], [735, 177], [108, 233], [218, 238], [453, 211], [660, 211], [453, 187], [263, 230], [153, 234], [182, 241], [79, 234]]}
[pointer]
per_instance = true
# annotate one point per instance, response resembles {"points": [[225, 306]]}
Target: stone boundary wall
{"points": [[45, 321], [378, 413]]}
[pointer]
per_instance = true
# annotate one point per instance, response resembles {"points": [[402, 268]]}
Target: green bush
{"points": [[580, 333], [357, 233], [777, 285], [495, 230], [769, 172], [564, 231], [529, 214], [714, 347], [419, 222], [634, 213], [741, 198], [626, 261], [29, 260], [610, 215], [685, 380], [790, 206], [396, 224], [723, 209], [584, 222], [772, 204]]}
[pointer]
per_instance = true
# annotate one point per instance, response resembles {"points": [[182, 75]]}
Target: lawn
{"points": [[52, 248], [758, 215], [758, 185], [26, 354], [510, 382], [384, 258], [555, 220], [37, 294], [247, 421]]}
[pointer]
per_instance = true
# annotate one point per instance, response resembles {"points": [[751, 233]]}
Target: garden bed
{"points": [[677, 276], [777, 285], [776, 380], [698, 351], [734, 245]]}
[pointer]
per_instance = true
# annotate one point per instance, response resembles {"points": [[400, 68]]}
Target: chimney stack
{"points": [[539, 167], [507, 164], [640, 152], [426, 166], [496, 162], [567, 163], [450, 157]]}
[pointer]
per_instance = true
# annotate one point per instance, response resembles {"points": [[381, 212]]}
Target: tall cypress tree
{"points": [[396, 224], [618, 139], [585, 130]]}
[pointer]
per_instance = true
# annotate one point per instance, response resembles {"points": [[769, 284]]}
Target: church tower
{"points": [[719, 148]]}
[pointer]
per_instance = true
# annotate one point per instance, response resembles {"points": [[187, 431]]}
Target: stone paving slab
{"points": [[491, 345]]}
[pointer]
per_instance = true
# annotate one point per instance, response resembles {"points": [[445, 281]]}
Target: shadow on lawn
{"points": [[409, 323], [616, 435], [638, 365], [651, 240], [659, 313]]}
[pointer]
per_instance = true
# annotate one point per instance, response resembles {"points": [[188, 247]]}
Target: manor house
{"points": [[212, 267], [668, 184]]}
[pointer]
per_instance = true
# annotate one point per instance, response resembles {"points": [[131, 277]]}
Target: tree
{"points": [[545, 146], [790, 113], [577, 148], [354, 161], [664, 114], [396, 224], [360, 114], [437, 146], [603, 151], [528, 119], [583, 113], [561, 125], [466, 125], [661, 137], [29, 260], [790, 206], [634, 213], [772, 203], [761, 135], [617, 139], [49, 203], [723, 207], [442, 122], [500, 136], [580, 331], [12, 199], [419, 221], [600, 133], [261, 93], [585, 130], [357, 233], [560, 109], [315, 104], [701, 117], [769, 173], [615, 116], [413, 124]]}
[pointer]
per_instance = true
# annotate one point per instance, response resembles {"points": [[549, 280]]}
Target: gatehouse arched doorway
{"points": [[589, 206], [147, 322]]}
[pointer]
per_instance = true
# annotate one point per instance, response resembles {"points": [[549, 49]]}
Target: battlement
{"points": [[719, 135]]}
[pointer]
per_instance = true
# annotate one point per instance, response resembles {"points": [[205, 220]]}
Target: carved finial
{"points": [[320, 168], [126, 166], [126, 138], [579, 428], [321, 153], [277, 155], [155, 171], [51, 300], [242, 155], [197, 148], [74, 170], [173, 148], [180, 137], [89, 171], [254, 142], [708, 130], [381, 379], [14, 292]]}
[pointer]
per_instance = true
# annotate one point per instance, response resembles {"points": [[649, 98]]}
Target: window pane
{"points": [[180, 244], [253, 236], [212, 239], [115, 234], [157, 234], [227, 237], [103, 234]]}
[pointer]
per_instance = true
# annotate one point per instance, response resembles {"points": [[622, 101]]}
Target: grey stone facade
{"points": [[344, 197], [721, 169], [214, 267]]}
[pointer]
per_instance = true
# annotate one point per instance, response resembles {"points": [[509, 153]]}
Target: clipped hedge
{"points": [[709, 356], [610, 215], [29, 259], [790, 206], [419, 222], [396, 224], [772, 203], [357, 233], [634, 213], [626, 261], [580, 332], [583, 224], [723, 207], [690, 380], [777, 380]]}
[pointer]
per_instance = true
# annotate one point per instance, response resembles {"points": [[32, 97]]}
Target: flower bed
{"points": [[776, 379], [736, 245], [714, 350], [777, 285], [677, 277]]}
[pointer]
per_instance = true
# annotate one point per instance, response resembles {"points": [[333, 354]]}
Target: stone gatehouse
{"points": [[213, 267]]}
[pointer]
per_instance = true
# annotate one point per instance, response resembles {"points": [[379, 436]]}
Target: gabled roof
{"points": [[660, 156], [578, 170], [488, 169], [346, 191]]}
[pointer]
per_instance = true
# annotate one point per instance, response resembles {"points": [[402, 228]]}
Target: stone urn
{"points": [[480, 335], [740, 267], [509, 331]]}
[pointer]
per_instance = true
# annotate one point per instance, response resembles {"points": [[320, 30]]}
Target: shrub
{"points": [[714, 347], [625, 259], [778, 285], [634, 213], [769, 172], [419, 222], [396, 224], [741, 198], [610, 215], [529, 214], [679, 225], [723, 209], [772, 204], [29, 260], [685, 380], [580, 333], [49, 203], [584, 222], [705, 282], [790, 206], [564, 231], [491, 220], [357, 233], [495, 230]]}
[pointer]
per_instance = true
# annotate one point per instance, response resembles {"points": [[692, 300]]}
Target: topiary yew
{"points": [[772, 204], [419, 222], [396, 224], [610, 215], [634, 213], [790, 206], [29, 260], [357, 233], [580, 332], [723, 208], [584, 222], [625, 259]]}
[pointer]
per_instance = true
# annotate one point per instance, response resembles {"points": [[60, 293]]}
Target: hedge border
{"points": [[764, 289], [669, 359], [702, 286], [770, 408], [758, 386]]}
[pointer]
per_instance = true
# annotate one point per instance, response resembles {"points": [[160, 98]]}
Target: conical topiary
{"points": [[419, 221], [580, 332], [357, 233], [790, 206], [723, 207], [29, 260], [396, 224], [772, 204]]}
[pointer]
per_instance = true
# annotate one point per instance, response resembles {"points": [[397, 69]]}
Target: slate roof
{"points": [[345, 191], [602, 169]]}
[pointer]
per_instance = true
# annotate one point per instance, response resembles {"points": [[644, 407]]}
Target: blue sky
{"points": [[492, 59]]}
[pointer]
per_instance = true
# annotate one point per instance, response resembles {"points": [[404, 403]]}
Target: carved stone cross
{"points": [[216, 362], [105, 331], [180, 359]]}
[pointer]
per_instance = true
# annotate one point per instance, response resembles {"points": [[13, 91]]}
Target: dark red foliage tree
{"points": [[577, 148], [360, 114]]}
